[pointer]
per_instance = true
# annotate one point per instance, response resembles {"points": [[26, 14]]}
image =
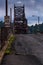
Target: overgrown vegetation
{"points": [[35, 29], [1, 24], [31, 29], [10, 41]]}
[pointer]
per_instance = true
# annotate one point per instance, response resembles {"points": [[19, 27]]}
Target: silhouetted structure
{"points": [[20, 22], [6, 28], [6, 8], [3, 36], [7, 18], [10, 14], [0, 38]]}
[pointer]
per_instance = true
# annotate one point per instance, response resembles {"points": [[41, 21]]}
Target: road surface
{"points": [[28, 50]]}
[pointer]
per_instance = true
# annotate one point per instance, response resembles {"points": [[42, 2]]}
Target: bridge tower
{"points": [[6, 17], [20, 21]]}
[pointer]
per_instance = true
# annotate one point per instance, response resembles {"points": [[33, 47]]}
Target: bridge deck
{"points": [[27, 44]]}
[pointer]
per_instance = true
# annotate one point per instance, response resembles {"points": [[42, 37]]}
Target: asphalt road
{"points": [[20, 60], [28, 48]]}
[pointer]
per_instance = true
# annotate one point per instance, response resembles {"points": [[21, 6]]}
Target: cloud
{"points": [[32, 2], [19, 2], [2, 13], [32, 7], [30, 12]]}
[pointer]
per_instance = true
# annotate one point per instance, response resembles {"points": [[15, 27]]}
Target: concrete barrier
{"points": [[3, 51]]}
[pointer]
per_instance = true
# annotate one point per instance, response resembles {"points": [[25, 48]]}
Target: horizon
{"points": [[32, 7]]}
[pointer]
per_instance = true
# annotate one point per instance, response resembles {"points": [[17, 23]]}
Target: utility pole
{"points": [[10, 14], [6, 8], [38, 21]]}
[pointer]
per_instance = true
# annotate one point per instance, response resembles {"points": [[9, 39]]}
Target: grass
{"points": [[11, 39]]}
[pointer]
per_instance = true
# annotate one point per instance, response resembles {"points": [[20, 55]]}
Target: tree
{"points": [[1, 24]]}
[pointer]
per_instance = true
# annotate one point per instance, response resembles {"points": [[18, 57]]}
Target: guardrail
{"points": [[2, 52]]}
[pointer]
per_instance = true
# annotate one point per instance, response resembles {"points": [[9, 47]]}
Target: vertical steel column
{"points": [[6, 7]]}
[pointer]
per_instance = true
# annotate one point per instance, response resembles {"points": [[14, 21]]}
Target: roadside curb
{"points": [[3, 51]]}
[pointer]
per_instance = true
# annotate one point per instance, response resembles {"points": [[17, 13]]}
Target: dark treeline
{"points": [[1, 24], [31, 29], [36, 28]]}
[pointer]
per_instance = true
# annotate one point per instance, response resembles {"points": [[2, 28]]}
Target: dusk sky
{"points": [[32, 7]]}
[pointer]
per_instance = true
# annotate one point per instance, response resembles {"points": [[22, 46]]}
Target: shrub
{"points": [[11, 39]]}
